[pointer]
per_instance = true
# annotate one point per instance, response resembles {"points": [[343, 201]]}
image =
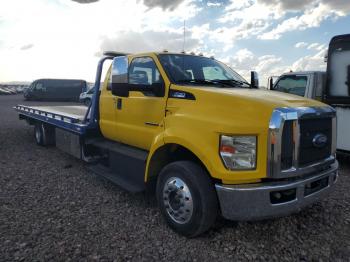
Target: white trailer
{"points": [[337, 90]]}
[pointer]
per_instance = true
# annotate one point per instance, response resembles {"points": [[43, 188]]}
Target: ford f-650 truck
{"points": [[193, 131]]}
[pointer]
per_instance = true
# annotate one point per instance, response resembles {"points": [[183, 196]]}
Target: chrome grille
{"points": [[309, 129], [287, 146], [290, 132]]}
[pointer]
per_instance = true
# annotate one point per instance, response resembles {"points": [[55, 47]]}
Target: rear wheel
{"points": [[38, 134], [44, 134], [187, 198]]}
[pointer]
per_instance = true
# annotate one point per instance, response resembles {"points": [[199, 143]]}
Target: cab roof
{"points": [[116, 54], [303, 72]]}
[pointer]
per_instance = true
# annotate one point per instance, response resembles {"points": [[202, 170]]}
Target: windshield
{"points": [[190, 69], [292, 84]]}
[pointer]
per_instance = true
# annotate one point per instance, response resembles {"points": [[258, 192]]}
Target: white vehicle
{"points": [[331, 87], [86, 97], [309, 84]]}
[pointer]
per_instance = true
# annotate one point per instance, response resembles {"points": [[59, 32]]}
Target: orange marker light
{"points": [[273, 139], [227, 149]]}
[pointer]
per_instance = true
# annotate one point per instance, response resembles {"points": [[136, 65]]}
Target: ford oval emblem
{"points": [[319, 140]]}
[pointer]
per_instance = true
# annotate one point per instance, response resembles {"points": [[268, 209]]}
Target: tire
{"points": [[38, 134], [187, 198], [87, 101], [44, 134]]}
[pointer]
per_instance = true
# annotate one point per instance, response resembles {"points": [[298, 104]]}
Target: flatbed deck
{"points": [[76, 112], [71, 118]]}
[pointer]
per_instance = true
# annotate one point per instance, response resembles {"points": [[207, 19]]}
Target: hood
{"points": [[231, 108], [272, 99]]}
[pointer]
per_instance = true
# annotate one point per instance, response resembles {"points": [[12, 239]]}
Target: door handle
{"points": [[118, 103], [151, 124]]}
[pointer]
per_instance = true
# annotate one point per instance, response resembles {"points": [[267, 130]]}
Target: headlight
{"points": [[238, 152]]}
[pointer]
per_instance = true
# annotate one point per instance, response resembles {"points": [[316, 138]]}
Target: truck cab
{"points": [[309, 84], [198, 135]]}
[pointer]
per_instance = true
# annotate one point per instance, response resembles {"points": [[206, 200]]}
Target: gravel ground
{"points": [[53, 208]]}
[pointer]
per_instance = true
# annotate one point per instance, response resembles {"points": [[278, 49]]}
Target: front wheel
{"points": [[187, 198]]}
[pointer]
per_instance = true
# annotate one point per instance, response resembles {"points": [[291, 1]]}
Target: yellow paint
{"points": [[196, 124]]}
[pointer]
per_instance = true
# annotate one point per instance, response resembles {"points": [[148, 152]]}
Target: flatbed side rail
{"points": [[65, 122]]}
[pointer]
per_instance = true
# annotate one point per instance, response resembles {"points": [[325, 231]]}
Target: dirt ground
{"points": [[53, 208]]}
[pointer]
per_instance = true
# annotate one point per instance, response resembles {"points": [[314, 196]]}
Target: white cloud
{"points": [[26, 47], [313, 46], [200, 32], [301, 44], [214, 4], [243, 56], [58, 35], [237, 5], [132, 42], [310, 62], [245, 61], [66, 35], [244, 19], [244, 30], [249, 11], [261, 15], [312, 17], [316, 46]]}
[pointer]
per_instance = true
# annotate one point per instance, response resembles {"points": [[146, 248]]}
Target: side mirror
{"points": [[254, 79], [270, 83], [119, 76]]}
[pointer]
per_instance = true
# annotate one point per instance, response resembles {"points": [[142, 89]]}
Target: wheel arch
{"points": [[166, 154]]}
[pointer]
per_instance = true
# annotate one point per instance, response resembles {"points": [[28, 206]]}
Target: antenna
{"points": [[183, 46]]}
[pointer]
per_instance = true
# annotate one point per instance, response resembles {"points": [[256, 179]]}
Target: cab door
{"points": [[139, 116], [107, 110]]}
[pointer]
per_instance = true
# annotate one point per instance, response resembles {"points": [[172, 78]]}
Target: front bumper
{"points": [[261, 201]]}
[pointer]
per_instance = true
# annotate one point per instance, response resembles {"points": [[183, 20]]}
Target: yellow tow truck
{"points": [[200, 136]]}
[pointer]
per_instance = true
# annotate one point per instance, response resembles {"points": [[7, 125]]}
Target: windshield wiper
{"points": [[205, 82], [233, 81]]}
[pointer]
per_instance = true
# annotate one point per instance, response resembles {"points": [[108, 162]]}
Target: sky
{"points": [[65, 38]]}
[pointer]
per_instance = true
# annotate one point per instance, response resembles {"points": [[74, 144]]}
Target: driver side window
{"points": [[143, 71]]}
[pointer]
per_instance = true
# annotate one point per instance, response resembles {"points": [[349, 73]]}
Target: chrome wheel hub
{"points": [[177, 200]]}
